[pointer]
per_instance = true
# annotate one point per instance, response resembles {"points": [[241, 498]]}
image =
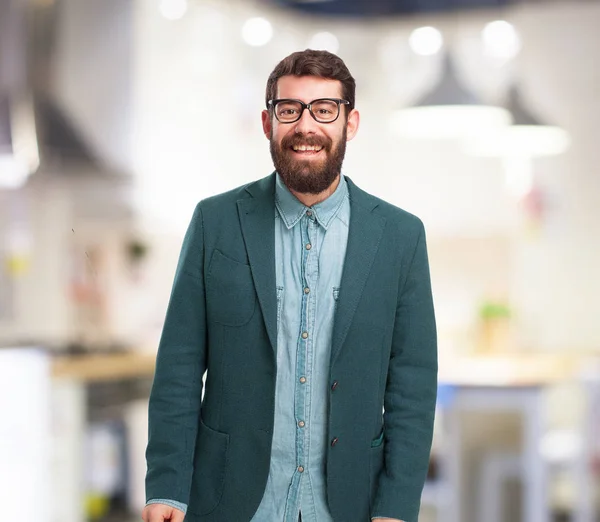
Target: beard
{"points": [[307, 176]]}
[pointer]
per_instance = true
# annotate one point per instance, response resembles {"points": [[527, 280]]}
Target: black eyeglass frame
{"points": [[272, 103]]}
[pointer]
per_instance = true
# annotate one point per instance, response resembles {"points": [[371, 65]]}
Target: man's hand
{"points": [[160, 513]]}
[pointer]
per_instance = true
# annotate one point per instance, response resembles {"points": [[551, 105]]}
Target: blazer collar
{"points": [[257, 218], [364, 235]]}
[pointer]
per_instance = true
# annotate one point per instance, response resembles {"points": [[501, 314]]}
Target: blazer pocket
{"points": [[230, 295], [210, 466], [375, 443], [376, 466]]}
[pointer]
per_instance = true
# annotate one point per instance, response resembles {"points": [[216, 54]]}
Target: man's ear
{"points": [[267, 124], [352, 124]]}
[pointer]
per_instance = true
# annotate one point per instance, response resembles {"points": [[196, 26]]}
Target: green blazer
{"points": [[213, 453]]}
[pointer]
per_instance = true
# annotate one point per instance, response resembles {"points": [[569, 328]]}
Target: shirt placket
{"points": [[304, 353]]}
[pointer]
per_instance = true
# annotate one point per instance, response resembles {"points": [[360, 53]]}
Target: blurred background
{"points": [[479, 116]]}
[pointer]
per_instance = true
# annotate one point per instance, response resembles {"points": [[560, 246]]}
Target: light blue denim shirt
{"points": [[310, 247]]}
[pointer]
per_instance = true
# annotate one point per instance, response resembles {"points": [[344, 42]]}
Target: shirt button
{"points": [[301, 469], [334, 385], [301, 424], [302, 380], [334, 441], [308, 246], [304, 335], [309, 213], [307, 290]]}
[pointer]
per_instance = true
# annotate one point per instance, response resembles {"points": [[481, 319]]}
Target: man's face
{"points": [[309, 171]]}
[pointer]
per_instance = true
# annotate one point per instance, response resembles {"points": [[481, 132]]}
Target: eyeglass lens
{"points": [[323, 110]]}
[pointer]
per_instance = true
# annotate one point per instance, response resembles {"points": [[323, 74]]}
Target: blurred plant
{"points": [[494, 310], [96, 506], [136, 251], [495, 328]]}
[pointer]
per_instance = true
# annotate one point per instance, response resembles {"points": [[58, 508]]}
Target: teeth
{"points": [[305, 148]]}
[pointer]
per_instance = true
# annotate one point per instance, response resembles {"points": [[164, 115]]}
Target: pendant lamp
{"points": [[528, 136], [448, 111]]}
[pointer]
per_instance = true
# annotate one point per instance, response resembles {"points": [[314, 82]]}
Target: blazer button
{"points": [[334, 385], [334, 441]]}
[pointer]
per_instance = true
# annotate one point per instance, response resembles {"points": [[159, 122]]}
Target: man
{"points": [[308, 303]]}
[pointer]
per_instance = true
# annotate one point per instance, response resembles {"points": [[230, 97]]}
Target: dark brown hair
{"points": [[321, 64]]}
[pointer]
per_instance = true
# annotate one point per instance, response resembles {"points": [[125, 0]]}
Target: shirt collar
{"points": [[292, 210]]}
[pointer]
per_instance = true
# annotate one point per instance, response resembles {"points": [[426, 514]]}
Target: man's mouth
{"points": [[307, 150]]}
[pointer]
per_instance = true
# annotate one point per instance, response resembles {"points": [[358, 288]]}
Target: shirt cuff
{"points": [[167, 502]]}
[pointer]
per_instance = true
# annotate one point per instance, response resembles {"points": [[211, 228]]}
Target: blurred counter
{"points": [[103, 367], [532, 369]]}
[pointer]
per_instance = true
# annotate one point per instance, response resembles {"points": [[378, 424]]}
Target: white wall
{"points": [[555, 281], [60, 219], [38, 310]]}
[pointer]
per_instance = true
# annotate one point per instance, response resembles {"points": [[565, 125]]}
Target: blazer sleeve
{"points": [[410, 394], [174, 406]]}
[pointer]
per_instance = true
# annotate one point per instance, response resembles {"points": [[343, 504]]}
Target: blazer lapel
{"points": [[364, 235], [257, 218]]}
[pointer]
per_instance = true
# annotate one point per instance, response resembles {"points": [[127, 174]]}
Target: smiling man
{"points": [[308, 304]]}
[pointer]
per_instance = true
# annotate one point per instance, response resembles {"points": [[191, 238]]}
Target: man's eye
{"points": [[287, 112]]}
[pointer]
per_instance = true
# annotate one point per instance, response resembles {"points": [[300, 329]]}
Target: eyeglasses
{"points": [[323, 110]]}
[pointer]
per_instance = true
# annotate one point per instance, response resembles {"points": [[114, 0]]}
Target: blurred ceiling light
{"points": [[501, 40], [448, 111], [324, 42], [426, 41], [19, 154], [173, 9], [13, 173], [526, 137], [257, 32]]}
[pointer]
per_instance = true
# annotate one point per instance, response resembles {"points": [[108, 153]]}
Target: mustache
{"points": [[310, 141]]}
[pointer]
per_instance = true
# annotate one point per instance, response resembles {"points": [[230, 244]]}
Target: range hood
{"points": [[35, 132]]}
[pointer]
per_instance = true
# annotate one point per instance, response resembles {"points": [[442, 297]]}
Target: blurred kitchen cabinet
{"points": [[24, 435]]}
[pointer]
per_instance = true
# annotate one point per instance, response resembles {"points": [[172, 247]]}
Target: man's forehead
{"points": [[307, 88]]}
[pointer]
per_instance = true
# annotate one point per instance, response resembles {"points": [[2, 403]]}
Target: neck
{"points": [[312, 199]]}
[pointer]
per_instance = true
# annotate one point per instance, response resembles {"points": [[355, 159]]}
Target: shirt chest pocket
{"points": [[279, 304], [230, 294]]}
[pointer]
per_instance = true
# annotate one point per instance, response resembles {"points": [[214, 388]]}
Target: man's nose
{"points": [[306, 124]]}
